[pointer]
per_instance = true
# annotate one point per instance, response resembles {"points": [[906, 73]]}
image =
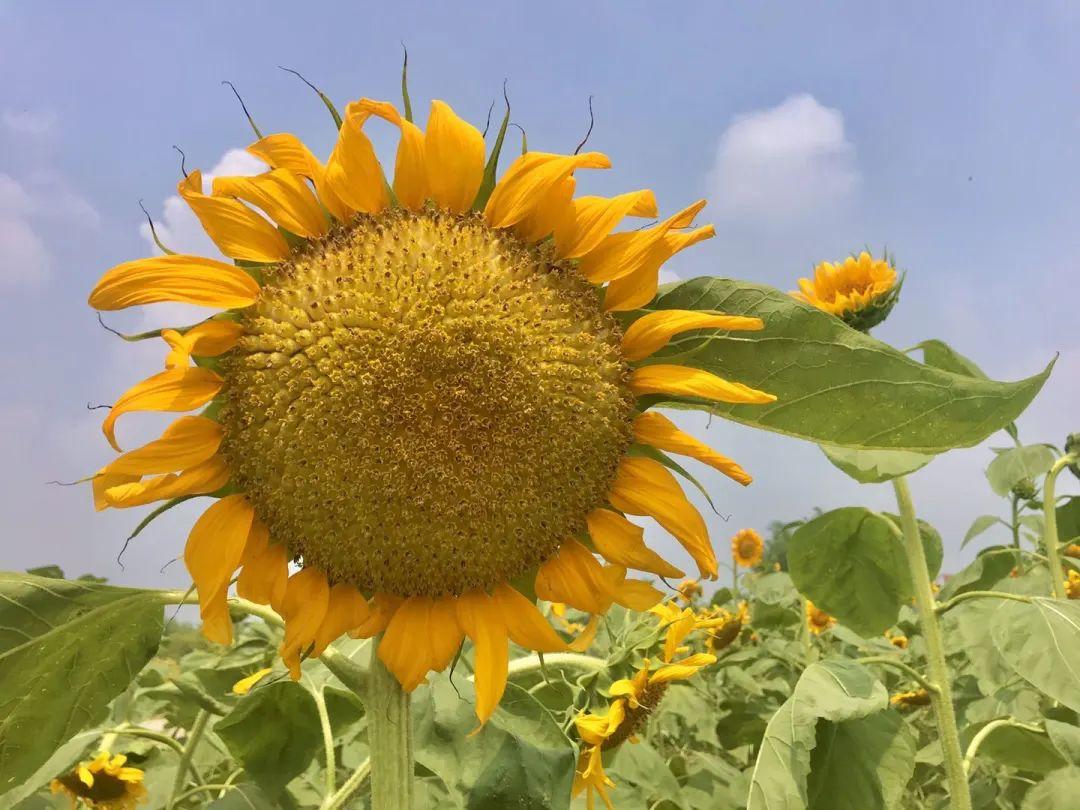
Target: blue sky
{"points": [[947, 132]]}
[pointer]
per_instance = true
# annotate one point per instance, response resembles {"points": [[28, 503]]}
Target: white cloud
{"points": [[26, 261], [784, 163], [178, 228]]}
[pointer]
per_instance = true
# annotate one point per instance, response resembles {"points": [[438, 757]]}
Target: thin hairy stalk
{"points": [[911, 672], [1050, 536], [194, 738], [986, 731], [348, 787], [949, 604]]}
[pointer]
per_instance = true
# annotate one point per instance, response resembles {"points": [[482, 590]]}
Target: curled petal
{"points": [[179, 389], [651, 332], [207, 339], [205, 477], [528, 180], [181, 278], [574, 576], [658, 431], [589, 219], [238, 231], [422, 636], [265, 572], [621, 542], [383, 607], [353, 171], [410, 169], [346, 609], [552, 208], [214, 549], [307, 596], [453, 158], [284, 197], [638, 287], [479, 618], [285, 151], [186, 442]]}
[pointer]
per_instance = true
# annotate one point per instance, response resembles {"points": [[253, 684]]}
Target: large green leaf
{"points": [[1040, 641], [851, 564], [836, 690], [67, 648], [274, 733], [1066, 739], [1058, 791], [1012, 466], [862, 763], [1018, 747], [1068, 519], [981, 524], [875, 466], [520, 758], [833, 385], [988, 568]]}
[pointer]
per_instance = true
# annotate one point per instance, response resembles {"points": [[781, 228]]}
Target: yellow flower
{"points": [[103, 783], [633, 701], [910, 700], [747, 548], [724, 634], [817, 619], [244, 685], [417, 391], [1072, 550], [678, 623], [689, 590], [1072, 584], [899, 641], [861, 290]]}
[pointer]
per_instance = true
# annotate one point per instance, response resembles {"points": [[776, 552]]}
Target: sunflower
{"points": [[633, 701], [817, 620], [898, 640], [677, 623], [1072, 550], [861, 290], [103, 783], [418, 394], [747, 548], [1072, 584], [724, 634], [689, 590], [910, 700]]}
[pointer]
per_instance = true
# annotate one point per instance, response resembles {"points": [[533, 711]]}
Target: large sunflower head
{"points": [[415, 392], [747, 548], [861, 290], [103, 783]]}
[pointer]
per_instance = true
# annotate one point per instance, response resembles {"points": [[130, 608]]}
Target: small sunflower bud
{"points": [[860, 290], [1024, 489]]}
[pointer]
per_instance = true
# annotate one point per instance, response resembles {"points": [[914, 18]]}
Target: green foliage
{"points": [[1068, 519], [850, 564], [834, 385], [1040, 641], [1016, 464], [274, 733], [875, 466], [1059, 791], [860, 763], [66, 649]]}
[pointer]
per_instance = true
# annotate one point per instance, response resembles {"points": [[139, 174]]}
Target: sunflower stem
{"points": [[194, 737], [389, 740], [328, 739], [941, 697], [1050, 533], [532, 663], [348, 787]]}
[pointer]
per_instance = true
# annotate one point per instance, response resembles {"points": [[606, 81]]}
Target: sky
{"points": [[945, 132]]}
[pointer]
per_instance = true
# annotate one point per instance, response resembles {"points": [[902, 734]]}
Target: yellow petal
{"points": [[623, 254], [651, 332], [265, 572], [585, 638], [285, 151], [353, 171], [284, 197], [410, 172], [693, 382], [589, 219], [639, 286], [423, 636], [207, 339], [645, 487], [213, 552], [526, 625], [548, 212], [454, 159], [104, 481], [479, 617], [238, 231], [181, 278], [303, 609], [346, 609], [186, 442], [243, 686], [181, 389], [205, 477], [383, 607], [575, 577], [635, 594], [681, 670], [658, 431], [529, 178], [618, 540]]}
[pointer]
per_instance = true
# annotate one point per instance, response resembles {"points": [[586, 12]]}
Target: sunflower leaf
{"points": [[833, 385], [67, 648]]}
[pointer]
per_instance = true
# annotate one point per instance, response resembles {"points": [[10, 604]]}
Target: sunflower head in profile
{"points": [[861, 290], [908, 701], [817, 620], [747, 548], [689, 590], [723, 634], [633, 700], [416, 392], [1072, 584], [103, 783]]}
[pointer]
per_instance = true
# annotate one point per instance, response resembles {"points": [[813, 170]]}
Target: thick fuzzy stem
{"points": [[389, 740]]}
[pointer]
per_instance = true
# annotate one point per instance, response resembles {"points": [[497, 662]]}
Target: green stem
{"points": [[348, 787], [935, 650], [194, 737], [531, 663], [389, 740], [187, 794], [1050, 536], [986, 731], [328, 739], [911, 672], [963, 597]]}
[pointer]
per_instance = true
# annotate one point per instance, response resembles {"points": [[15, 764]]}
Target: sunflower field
{"points": [[425, 412]]}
